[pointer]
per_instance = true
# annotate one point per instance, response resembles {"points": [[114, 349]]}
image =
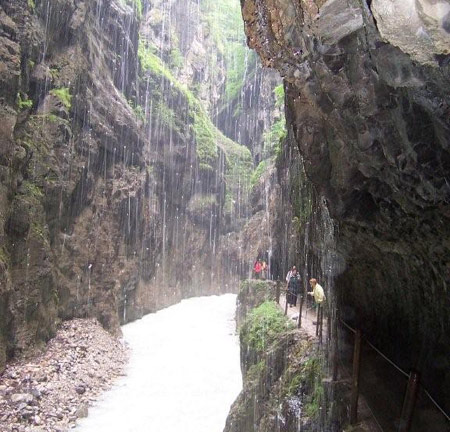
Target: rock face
{"points": [[419, 28], [282, 369], [116, 187], [366, 164], [249, 116], [73, 167]]}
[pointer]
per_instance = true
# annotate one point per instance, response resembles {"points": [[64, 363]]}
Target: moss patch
{"points": [[255, 371], [263, 325], [224, 22], [254, 286], [151, 62], [4, 257], [23, 103], [200, 202], [279, 95], [32, 191], [259, 171], [274, 138], [303, 378], [64, 96], [207, 137]]}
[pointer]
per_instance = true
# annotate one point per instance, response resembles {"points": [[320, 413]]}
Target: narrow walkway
{"points": [[309, 316]]}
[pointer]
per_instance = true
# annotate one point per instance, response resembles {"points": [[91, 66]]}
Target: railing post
{"points": [[355, 378], [320, 322], [317, 319], [300, 311], [409, 403], [278, 291], [335, 347], [286, 305]]}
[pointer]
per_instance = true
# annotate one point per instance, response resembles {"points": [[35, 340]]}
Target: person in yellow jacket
{"points": [[319, 298], [317, 291]]}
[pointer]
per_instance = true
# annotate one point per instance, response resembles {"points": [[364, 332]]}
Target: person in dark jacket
{"points": [[293, 288]]}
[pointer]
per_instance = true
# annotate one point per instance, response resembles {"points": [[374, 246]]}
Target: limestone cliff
{"points": [[116, 186], [73, 166], [366, 164]]}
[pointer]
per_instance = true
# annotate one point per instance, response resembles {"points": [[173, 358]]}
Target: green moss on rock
{"points": [[205, 138], [258, 172], [135, 4], [208, 138], [23, 104], [31, 190], [199, 202], [4, 256], [64, 96], [263, 325]]}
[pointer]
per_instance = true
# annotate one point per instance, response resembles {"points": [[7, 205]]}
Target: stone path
{"points": [[309, 315]]}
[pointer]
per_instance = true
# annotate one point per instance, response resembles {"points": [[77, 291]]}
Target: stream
{"points": [[184, 372]]}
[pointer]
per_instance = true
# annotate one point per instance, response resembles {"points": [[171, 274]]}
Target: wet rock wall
{"points": [[74, 227], [369, 127], [282, 368], [114, 180]]}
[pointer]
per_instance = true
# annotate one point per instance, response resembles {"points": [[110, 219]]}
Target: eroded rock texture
{"points": [[73, 167], [116, 187], [369, 121]]}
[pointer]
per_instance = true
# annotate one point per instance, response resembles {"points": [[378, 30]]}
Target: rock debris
{"points": [[51, 391]]}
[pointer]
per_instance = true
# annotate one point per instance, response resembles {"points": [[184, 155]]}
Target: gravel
{"points": [[51, 391]]}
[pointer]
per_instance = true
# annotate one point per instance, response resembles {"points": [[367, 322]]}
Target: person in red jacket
{"points": [[257, 269]]}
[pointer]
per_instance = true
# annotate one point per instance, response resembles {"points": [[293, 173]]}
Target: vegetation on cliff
{"points": [[208, 138], [263, 325], [227, 28], [283, 369], [136, 4], [64, 96]]}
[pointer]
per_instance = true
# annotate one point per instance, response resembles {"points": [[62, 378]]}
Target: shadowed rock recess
{"points": [[116, 185], [365, 169]]}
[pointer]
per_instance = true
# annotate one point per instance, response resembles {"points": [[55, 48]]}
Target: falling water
{"points": [[89, 288], [183, 374]]}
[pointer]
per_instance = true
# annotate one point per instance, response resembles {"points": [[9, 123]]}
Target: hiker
{"points": [[264, 269], [319, 298], [288, 276], [317, 292], [293, 288], [257, 268]]}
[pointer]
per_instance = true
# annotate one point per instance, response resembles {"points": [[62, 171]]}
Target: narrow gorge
{"points": [[152, 150], [130, 132]]}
